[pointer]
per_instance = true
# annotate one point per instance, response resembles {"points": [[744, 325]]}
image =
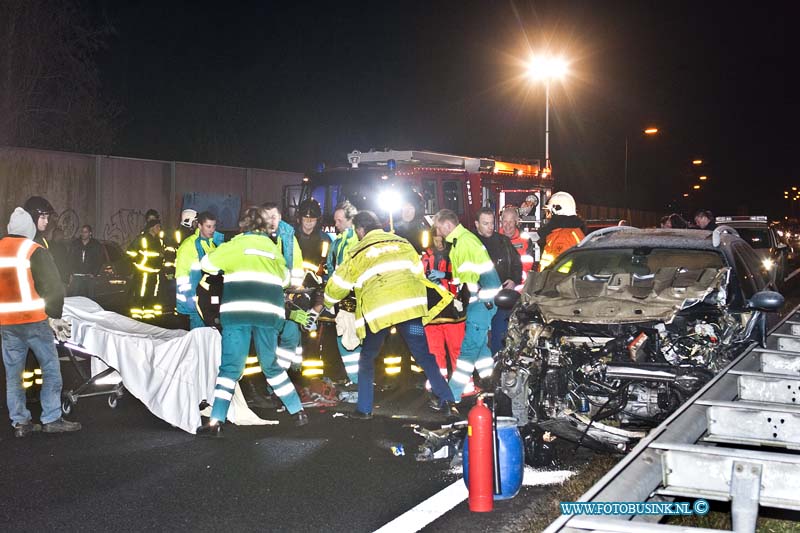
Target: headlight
{"points": [[768, 264]]}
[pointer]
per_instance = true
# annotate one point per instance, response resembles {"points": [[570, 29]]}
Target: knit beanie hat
{"points": [[21, 224]]}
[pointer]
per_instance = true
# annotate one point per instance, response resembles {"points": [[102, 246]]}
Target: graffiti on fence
{"points": [[125, 224]]}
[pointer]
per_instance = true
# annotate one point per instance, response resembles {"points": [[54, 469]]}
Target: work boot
{"points": [[23, 430], [61, 426], [300, 418], [435, 403], [451, 409], [358, 415], [210, 430]]}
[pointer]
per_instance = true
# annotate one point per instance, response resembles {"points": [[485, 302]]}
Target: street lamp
{"points": [[545, 68], [647, 131]]}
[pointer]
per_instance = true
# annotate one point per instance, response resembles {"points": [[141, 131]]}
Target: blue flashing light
{"points": [[391, 164]]}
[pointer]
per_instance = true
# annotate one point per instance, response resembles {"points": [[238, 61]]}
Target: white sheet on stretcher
{"points": [[170, 371]]}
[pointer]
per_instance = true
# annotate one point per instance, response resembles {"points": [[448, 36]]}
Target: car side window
{"points": [[750, 271]]}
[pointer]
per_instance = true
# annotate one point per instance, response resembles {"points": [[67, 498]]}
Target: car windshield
{"points": [[644, 261], [755, 237]]}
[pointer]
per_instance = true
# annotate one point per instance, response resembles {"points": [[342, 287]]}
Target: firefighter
{"points": [[187, 265], [522, 242], [349, 347], [474, 273], [252, 307], [31, 301], [385, 272], [188, 225], [147, 253], [564, 230]]}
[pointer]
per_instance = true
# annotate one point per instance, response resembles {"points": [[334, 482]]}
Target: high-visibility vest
{"points": [[19, 301], [559, 240]]}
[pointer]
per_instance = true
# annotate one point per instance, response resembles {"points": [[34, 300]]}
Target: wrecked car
{"points": [[623, 328]]}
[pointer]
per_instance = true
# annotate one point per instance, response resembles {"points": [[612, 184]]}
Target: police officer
{"points": [[187, 265], [31, 301], [385, 272], [252, 308], [479, 283]]}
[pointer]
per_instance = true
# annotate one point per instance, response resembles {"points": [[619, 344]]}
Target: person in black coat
{"points": [[508, 264], [86, 259]]}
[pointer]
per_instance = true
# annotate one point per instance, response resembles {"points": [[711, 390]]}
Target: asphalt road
{"points": [[127, 470]]}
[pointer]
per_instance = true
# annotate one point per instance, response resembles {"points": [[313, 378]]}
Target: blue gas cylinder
{"points": [[511, 455]]}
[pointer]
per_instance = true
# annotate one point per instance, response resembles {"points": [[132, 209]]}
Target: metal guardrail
{"points": [[728, 442]]}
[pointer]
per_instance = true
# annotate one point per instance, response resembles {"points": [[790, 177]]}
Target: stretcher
{"points": [[172, 372], [105, 383]]}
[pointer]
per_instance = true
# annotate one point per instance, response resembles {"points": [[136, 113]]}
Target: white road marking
{"points": [[443, 501], [793, 274]]}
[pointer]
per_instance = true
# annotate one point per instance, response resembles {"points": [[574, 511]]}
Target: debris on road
{"points": [[398, 450]]}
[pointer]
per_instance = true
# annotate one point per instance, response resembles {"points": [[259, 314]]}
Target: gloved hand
{"points": [[61, 328], [299, 316], [311, 323], [436, 275]]}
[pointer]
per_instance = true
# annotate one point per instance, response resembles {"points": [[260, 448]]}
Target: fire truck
{"points": [[379, 180]]}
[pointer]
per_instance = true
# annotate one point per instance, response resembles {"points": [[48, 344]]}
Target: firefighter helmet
{"points": [[562, 203], [188, 216], [37, 206], [309, 209]]}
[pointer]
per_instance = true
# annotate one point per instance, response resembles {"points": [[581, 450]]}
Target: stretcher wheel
{"points": [[112, 401], [66, 406]]}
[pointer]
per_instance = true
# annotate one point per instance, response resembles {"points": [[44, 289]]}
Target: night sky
{"points": [[282, 86]]}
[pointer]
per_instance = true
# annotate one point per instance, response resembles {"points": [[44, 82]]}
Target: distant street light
{"points": [[686, 195], [545, 68], [703, 178], [695, 187], [697, 162], [648, 131]]}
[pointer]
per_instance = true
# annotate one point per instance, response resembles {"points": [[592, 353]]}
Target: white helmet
{"points": [[188, 216], [562, 203]]}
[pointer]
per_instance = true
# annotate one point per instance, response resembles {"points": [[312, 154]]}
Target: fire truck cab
{"points": [[380, 180]]}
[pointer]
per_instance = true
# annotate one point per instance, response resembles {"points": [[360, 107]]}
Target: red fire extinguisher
{"points": [[481, 462]]}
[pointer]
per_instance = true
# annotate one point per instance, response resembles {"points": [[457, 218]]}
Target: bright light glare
{"points": [[703, 178], [768, 264], [697, 162], [695, 187], [651, 131], [389, 200], [686, 195], [547, 67]]}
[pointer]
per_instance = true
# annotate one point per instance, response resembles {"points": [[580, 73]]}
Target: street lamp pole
{"points": [[547, 124], [625, 185]]}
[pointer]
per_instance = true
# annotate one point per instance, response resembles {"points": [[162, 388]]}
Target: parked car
{"points": [[764, 239], [624, 327], [113, 283]]}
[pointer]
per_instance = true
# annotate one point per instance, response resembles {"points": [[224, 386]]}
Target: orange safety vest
{"points": [[19, 301], [558, 241]]}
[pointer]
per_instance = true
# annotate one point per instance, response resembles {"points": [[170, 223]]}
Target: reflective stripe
{"points": [[299, 350], [330, 302], [341, 282], [283, 352], [195, 266], [13, 262], [257, 277], [252, 305], [351, 357], [185, 287], [464, 366], [392, 308], [208, 266], [31, 305], [455, 281], [284, 363], [477, 268], [351, 369], [460, 377], [473, 287], [180, 297], [256, 251], [389, 266], [223, 394], [284, 390], [226, 382], [487, 294], [486, 362], [526, 258], [443, 371], [485, 373], [183, 281]]}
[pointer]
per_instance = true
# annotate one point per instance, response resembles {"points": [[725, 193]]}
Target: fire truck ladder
{"points": [[732, 441]]}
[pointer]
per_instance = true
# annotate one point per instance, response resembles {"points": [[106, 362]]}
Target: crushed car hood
{"points": [[623, 298]]}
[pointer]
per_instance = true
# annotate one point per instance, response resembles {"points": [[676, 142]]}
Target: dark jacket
{"points": [[560, 221], [412, 232], [504, 256], [312, 245], [86, 258]]}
